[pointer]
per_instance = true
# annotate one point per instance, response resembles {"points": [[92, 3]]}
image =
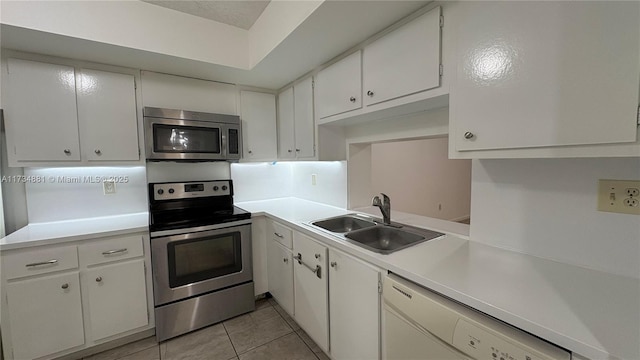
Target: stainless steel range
{"points": [[201, 255]]}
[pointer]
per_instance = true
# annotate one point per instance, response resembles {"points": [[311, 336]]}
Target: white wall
{"points": [[58, 200], [547, 208], [420, 179], [262, 181]]}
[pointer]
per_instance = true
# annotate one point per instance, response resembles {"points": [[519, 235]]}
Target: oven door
{"points": [[195, 263], [173, 139]]}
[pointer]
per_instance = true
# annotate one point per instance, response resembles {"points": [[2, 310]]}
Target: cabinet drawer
{"points": [[281, 234], [22, 263], [113, 249]]}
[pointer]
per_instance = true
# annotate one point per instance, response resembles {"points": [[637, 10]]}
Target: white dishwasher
{"points": [[420, 324]]}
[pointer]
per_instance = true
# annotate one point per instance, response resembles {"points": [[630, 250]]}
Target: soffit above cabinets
{"points": [[238, 13], [289, 38]]}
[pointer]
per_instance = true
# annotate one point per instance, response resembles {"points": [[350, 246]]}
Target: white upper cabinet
{"points": [[303, 114], [286, 134], [40, 114], [107, 113], [339, 87], [61, 115], [403, 62], [258, 114], [542, 74], [296, 126]]}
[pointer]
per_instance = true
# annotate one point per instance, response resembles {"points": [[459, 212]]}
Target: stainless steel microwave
{"points": [[189, 135]]}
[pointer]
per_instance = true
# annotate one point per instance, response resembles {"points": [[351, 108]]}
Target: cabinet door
{"points": [[286, 142], [41, 116], [545, 74], [280, 273], [117, 298], [303, 114], [45, 315], [354, 303], [108, 116], [403, 62], [258, 113], [339, 87], [310, 291]]}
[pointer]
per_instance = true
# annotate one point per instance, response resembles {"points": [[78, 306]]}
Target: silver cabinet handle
{"points": [[468, 135], [297, 150], [99, 279], [317, 256], [67, 151], [65, 286], [352, 99], [334, 264], [98, 152], [285, 260], [317, 270], [278, 235], [113, 252], [289, 150], [370, 93], [50, 262], [250, 152]]}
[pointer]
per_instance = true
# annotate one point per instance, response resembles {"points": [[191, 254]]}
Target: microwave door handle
{"points": [[223, 147]]}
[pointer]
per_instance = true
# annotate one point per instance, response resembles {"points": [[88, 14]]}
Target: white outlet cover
{"points": [[109, 187]]}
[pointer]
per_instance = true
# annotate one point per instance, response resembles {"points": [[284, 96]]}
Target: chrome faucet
{"points": [[385, 207]]}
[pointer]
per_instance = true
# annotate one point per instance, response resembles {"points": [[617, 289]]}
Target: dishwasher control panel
{"points": [[482, 343]]}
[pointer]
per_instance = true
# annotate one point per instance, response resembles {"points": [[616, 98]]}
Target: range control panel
{"points": [[171, 191], [481, 343]]}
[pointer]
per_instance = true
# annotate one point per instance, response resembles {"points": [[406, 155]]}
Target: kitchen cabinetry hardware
{"points": [[334, 264], [285, 260], [250, 152], [468, 135], [278, 235], [297, 150], [370, 93], [317, 270], [50, 262], [113, 252], [67, 151], [317, 256], [289, 150], [99, 279], [65, 286], [352, 99], [98, 152]]}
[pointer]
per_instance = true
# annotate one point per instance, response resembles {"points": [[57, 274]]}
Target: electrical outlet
{"points": [[619, 196], [109, 187], [313, 179]]}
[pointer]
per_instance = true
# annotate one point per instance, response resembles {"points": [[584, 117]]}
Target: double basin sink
{"points": [[371, 234]]}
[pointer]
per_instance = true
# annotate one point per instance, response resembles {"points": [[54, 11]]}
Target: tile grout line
{"points": [[229, 337], [278, 338]]}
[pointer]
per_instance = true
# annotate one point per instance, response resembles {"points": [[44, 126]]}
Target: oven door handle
{"points": [[317, 270]]}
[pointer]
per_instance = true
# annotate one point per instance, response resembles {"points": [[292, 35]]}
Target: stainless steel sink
{"points": [[371, 234], [344, 224]]}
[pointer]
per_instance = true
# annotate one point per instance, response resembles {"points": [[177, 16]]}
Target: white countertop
{"points": [[50, 233], [592, 313]]}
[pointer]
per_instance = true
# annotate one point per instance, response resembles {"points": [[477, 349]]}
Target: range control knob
{"points": [[171, 191], [160, 191], [224, 188], [215, 188]]}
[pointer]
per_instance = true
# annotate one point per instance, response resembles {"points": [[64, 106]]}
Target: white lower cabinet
{"points": [[280, 274], [354, 307], [45, 315], [311, 288], [61, 299], [117, 298]]}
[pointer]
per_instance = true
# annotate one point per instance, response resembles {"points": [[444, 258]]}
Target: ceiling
{"points": [[238, 13]]}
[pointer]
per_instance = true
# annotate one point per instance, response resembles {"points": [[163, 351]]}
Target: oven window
{"points": [[185, 139], [201, 259]]}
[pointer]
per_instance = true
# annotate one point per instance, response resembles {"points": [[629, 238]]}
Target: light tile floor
{"points": [[267, 333]]}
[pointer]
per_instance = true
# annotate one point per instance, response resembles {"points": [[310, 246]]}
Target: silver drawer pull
{"points": [[50, 262], [317, 270], [65, 286], [278, 235], [112, 252]]}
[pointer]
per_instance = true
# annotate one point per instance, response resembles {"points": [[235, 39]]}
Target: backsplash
{"points": [[77, 192], [547, 208], [261, 181]]}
